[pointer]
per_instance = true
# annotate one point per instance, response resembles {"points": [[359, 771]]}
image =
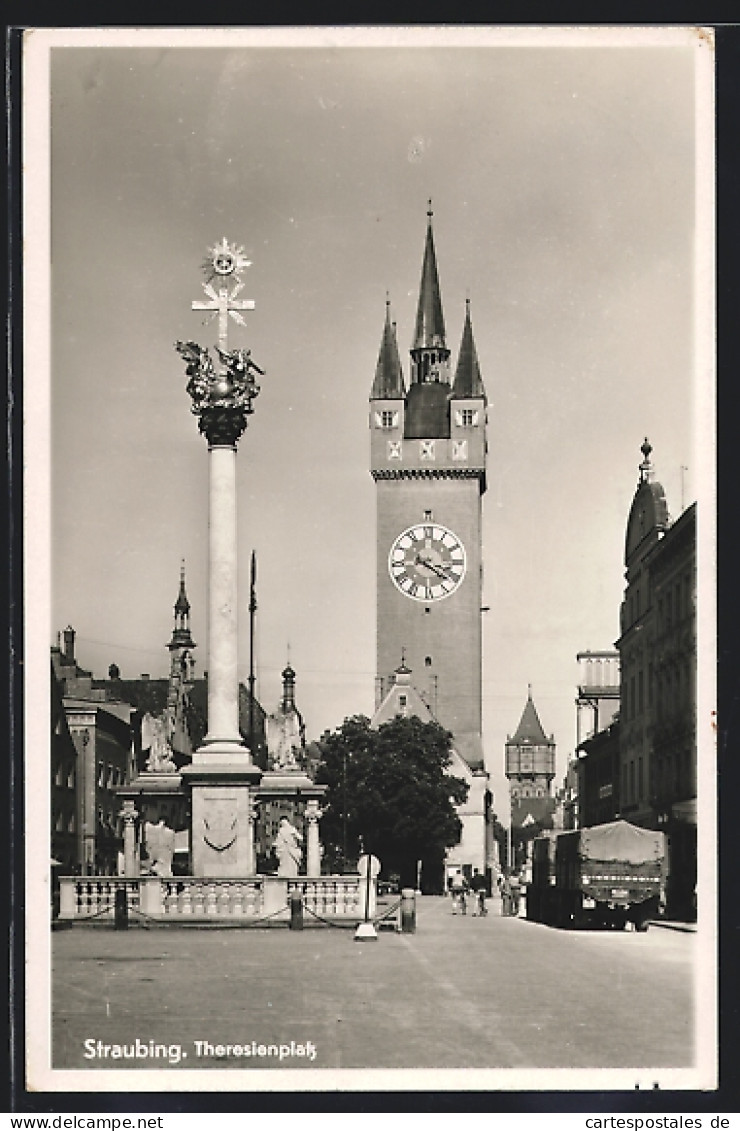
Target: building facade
{"points": [[428, 461], [642, 766], [657, 649]]}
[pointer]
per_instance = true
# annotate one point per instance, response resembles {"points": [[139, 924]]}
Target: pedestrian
{"points": [[458, 885], [505, 896], [478, 886]]}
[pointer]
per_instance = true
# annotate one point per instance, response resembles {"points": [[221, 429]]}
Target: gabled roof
{"points": [[530, 727], [430, 323], [468, 381], [388, 383]]}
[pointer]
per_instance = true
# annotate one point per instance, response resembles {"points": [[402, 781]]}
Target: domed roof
{"points": [[648, 516]]}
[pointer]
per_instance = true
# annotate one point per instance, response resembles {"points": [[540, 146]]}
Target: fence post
{"points": [[121, 909], [295, 901], [408, 911], [67, 900]]}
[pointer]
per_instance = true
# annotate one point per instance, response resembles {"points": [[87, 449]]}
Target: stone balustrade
{"points": [[190, 899], [94, 897]]}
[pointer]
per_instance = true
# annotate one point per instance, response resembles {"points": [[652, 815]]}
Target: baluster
{"points": [[225, 894], [185, 905], [211, 896], [237, 902], [198, 898]]}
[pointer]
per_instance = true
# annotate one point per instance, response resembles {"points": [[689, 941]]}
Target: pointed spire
{"points": [[388, 383], [468, 381], [430, 324], [182, 605], [181, 637], [530, 727]]}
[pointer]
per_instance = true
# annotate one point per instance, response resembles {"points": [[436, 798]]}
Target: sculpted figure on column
{"points": [[288, 848]]}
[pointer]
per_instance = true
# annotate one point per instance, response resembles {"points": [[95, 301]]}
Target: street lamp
{"points": [[344, 812]]}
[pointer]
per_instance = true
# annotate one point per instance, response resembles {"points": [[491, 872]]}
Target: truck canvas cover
{"points": [[621, 841]]}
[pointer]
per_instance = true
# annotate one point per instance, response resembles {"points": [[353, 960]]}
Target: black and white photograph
{"points": [[369, 576]]}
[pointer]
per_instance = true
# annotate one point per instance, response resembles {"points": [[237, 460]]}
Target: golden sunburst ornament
{"points": [[225, 261]]}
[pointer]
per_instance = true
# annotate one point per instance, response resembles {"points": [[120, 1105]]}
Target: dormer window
{"points": [[466, 417]]}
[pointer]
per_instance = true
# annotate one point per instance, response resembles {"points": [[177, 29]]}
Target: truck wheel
{"points": [[642, 924]]}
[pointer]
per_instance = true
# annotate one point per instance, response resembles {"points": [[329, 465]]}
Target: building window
{"points": [[640, 692], [466, 417], [101, 774], [386, 419], [59, 776], [71, 825]]}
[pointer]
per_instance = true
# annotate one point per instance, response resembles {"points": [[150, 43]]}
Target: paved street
{"points": [[460, 993]]}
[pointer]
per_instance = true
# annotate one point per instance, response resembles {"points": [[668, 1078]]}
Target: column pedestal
{"points": [[221, 838]]}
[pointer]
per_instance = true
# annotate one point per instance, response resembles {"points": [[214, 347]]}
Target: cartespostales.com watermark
{"points": [[150, 1052]]}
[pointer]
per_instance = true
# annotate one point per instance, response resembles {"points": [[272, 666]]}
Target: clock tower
{"points": [[428, 460]]}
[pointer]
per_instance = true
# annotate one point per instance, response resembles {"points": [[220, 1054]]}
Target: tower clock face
{"points": [[427, 562]]}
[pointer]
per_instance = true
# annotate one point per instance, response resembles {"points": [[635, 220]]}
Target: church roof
{"points": [[468, 381], [388, 383], [430, 324], [530, 727]]}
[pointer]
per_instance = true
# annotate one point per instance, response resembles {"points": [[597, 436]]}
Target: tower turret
{"points": [[428, 458], [530, 768], [181, 644]]}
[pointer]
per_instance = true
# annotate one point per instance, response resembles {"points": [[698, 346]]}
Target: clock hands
{"points": [[430, 565]]}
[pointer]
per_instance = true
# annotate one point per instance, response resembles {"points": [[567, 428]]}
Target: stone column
{"points": [[313, 846], [130, 860], [223, 683]]}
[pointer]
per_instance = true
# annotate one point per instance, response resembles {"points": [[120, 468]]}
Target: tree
{"points": [[390, 793]]}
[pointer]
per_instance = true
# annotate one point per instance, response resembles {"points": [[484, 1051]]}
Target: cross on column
{"points": [[224, 305]]}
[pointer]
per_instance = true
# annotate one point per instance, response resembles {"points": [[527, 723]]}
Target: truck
{"points": [[604, 876]]}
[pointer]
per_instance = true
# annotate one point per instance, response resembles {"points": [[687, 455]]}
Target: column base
{"points": [[221, 841], [224, 751]]}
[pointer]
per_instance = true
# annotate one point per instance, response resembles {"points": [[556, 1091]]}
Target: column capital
{"points": [[222, 426], [128, 812], [313, 812]]}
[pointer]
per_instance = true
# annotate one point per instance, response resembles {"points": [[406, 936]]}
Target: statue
{"points": [[160, 759], [199, 368], [233, 389], [159, 842], [283, 733], [242, 388], [287, 845]]}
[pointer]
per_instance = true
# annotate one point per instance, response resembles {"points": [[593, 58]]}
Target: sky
{"points": [[562, 177]]}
